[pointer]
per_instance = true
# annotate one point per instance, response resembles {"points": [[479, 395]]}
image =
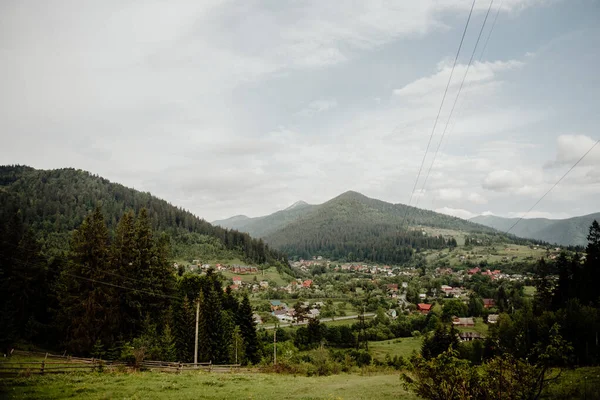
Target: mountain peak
{"points": [[297, 204], [351, 194]]}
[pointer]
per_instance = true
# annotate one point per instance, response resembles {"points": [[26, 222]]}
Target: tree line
{"points": [[53, 203], [117, 295]]}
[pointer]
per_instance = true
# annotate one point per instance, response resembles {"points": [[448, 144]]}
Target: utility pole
{"points": [[196, 341], [275, 346], [236, 341]]}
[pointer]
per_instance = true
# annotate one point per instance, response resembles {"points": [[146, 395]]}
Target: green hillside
{"points": [[355, 227], [268, 224], [566, 232], [54, 202]]}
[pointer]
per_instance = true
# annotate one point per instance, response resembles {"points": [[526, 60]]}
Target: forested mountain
{"points": [[567, 232], [355, 227], [268, 224], [52, 203]]}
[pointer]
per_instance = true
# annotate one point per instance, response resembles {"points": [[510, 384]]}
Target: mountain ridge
{"points": [[566, 232]]}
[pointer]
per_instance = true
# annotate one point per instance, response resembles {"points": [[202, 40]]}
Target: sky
{"points": [[228, 107]]}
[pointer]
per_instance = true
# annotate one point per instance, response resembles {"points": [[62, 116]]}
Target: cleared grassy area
{"points": [[194, 385], [492, 254], [269, 274], [529, 291], [480, 327], [395, 347]]}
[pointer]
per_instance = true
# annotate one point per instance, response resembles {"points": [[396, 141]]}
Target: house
{"points": [[237, 280], [423, 308], [474, 271], [264, 284], [469, 336], [307, 283], [489, 303], [392, 287], [313, 313], [492, 318], [463, 322], [277, 305], [422, 296], [234, 287], [257, 319]]}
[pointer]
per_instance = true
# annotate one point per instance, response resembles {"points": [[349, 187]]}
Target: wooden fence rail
{"points": [[71, 363]]}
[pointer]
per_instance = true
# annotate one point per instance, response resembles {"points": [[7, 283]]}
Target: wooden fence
{"points": [[71, 364]]}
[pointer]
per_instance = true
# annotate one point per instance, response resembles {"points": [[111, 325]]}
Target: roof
{"points": [[422, 306], [488, 302], [275, 302], [463, 321], [236, 278]]}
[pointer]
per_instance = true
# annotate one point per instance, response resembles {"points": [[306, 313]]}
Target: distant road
{"points": [[305, 322]]}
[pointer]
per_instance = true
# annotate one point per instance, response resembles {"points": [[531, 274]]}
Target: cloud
{"points": [[449, 194], [318, 106], [456, 212], [481, 76], [501, 181], [477, 198], [570, 148]]}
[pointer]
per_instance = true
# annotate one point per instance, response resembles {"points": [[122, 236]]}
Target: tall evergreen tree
{"points": [[89, 309], [591, 267], [248, 330]]}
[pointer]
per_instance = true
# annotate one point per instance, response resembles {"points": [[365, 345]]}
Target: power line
{"points": [[461, 110], [553, 186], [456, 98], [439, 111], [123, 287]]}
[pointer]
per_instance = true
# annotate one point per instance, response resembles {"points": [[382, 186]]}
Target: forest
{"points": [[52, 203], [112, 295]]}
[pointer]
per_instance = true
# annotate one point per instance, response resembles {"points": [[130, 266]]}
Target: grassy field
{"points": [[492, 254], [395, 347], [480, 327], [269, 274], [196, 385]]}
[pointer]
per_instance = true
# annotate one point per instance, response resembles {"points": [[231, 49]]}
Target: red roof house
{"points": [[424, 308]]}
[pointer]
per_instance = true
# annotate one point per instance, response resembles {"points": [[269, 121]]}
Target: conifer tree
{"points": [[248, 330], [88, 308]]}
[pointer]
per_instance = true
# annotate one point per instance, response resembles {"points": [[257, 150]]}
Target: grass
{"points": [[480, 327], [270, 274], [529, 291], [198, 385], [395, 347]]}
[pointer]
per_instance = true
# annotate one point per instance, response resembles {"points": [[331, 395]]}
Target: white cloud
{"points": [[570, 148], [477, 198], [318, 106], [501, 181], [481, 76], [450, 194], [456, 212]]}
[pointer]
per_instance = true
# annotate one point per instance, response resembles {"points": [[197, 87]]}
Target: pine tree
{"points": [[124, 261], [184, 332], [89, 309], [591, 267], [248, 330]]}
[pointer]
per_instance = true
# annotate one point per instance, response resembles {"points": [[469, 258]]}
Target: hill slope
{"points": [[566, 232], [356, 227], [268, 224], [54, 202]]}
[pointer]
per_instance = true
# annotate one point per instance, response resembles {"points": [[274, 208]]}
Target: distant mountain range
{"points": [[351, 226], [570, 231]]}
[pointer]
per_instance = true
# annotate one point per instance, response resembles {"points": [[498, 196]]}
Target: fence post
{"points": [[42, 370]]}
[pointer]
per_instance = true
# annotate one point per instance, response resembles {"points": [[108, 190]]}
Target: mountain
{"points": [[52, 203], [354, 227], [566, 232], [268, 224]]}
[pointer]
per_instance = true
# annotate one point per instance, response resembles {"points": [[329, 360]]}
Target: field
{"points": [[480, 327], [395, 347], [195, 385], [492, 254], [269, 274]]}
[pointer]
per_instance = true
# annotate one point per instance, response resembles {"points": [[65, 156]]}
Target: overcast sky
{"points": [[245, 107]]}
